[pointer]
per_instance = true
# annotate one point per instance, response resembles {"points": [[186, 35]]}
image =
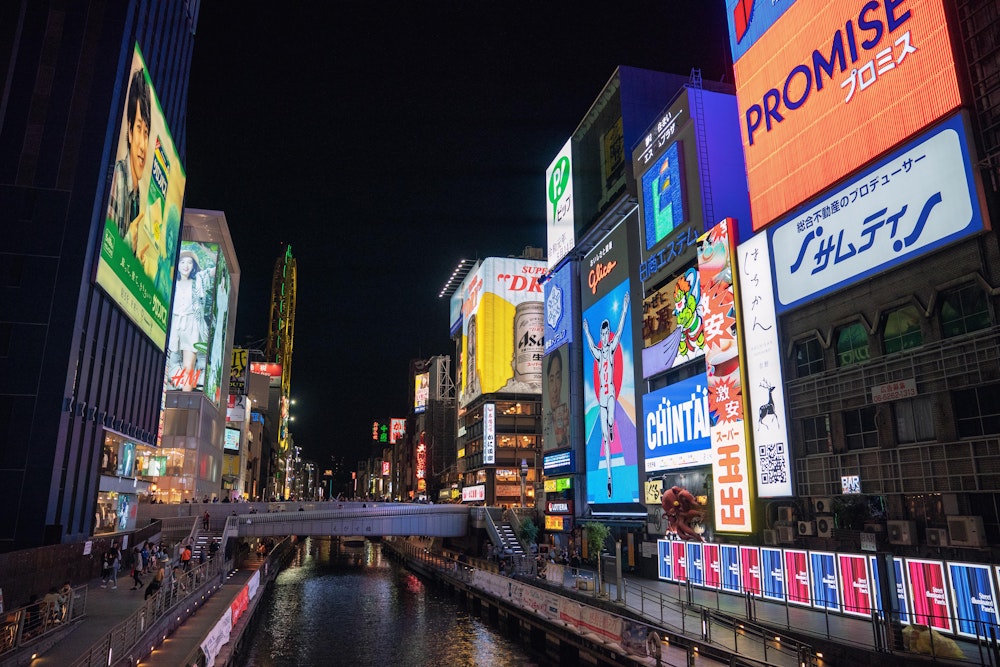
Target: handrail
{"points": [[23, 626]]}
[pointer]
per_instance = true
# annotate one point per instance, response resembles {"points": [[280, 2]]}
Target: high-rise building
{"points": [[92, 154]]}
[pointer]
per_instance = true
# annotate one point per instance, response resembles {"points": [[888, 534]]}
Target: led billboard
{"points": [[397, 430], [232, 441], [914, 201], [559, 209], [421, 392], [677, 425], [823, 88], [503, 328], [560, 304], [238, 371], [609, 377], [143, 217], [556, 422], [673, 330], [198, 320]]}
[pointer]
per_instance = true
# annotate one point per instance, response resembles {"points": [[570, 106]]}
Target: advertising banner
{"points": [[143, 219], [238, 369], [797, 577], [397, 430], [825, 88], [199, 320], [678, 550], [855, 584], [975, 598], [232, 440], [712, 567], [560, 304], [490, 433], [750, 570], [928, 593], [825, 588], [421, 392], [608, 377], [765, 390], [556, 422], [696, 564], [677, 425], [730, 464], [673, 330], [916, 200], [729, 568], [503, 327], [560, 233], [772, 574], [665, 560], [902, 598]]}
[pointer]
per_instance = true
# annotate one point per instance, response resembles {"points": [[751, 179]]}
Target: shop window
{"points": [[808, 357], [860, 431], [902, 330], [914, 420], [964, 310], [852, 345], [816, 435], [977, 411]]}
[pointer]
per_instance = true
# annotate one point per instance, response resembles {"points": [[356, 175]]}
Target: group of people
{"points": [[146, 558]]}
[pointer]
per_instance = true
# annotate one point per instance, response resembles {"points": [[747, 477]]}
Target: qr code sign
{"points": [[773, 467]]}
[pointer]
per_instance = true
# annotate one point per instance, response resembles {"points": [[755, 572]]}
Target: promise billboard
{"points": [[143, 216], [824, 88]]}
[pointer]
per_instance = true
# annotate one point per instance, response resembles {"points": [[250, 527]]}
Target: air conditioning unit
{"points": [[823, 505], [966, 531], [770, 536], [807, 528], [786, 534], [786, 513], [937, 537], [902, 532], [824, 526]]}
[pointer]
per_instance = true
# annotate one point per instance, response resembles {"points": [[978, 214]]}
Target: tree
{"points": [[527, 530], [596, 535]]}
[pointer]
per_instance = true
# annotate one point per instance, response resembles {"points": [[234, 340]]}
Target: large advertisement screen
{"points": [[199, 319], [143, 217], [556, 422], [823, 88], [503, 328], [609, 377], [677, 425], [916, 200], [673, 330]]}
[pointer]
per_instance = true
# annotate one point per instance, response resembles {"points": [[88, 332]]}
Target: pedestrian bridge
{"points": [[350, 518]]}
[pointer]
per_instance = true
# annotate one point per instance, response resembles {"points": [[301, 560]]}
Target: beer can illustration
{"points": [[529, 342]]}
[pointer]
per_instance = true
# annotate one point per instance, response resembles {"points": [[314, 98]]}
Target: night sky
{"points": [[385, 141]]}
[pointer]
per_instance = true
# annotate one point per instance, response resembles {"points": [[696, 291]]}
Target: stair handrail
{"points": [[491, 528]]}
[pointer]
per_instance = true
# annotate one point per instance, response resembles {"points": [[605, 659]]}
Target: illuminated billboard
{"points": [[268, 368], [503, 327], [677, 427], [824, 88], [232, 441], [914, 201], [560, 302], [673, 330], [730, 463], [238, 371], [421, 392], [198, 320], [397, 430], [556, 421], [609, 376], [143, 216], [559, 208], [490, 433]]}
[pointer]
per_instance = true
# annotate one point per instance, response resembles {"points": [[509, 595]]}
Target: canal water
{"points": [[351, 605]]}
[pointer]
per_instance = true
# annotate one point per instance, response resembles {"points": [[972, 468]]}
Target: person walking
{"points": [[205, 521], [116, 564], [186, 557], [136, 568]]}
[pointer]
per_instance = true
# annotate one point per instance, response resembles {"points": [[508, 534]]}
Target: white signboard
{"points": [[559, 205], [894, 391], [490, 433]]}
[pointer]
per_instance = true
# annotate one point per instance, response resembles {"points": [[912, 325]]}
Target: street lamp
{"points": [[524, 478]]}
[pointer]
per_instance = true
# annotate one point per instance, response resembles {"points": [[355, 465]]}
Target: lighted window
{"points": [[902, 330], [808, 357], [816, 435], [964, 310], [977, 411], [860, 431], [852, 345], [915, 420]]}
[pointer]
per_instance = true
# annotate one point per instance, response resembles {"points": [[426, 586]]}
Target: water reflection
{"points": [[349, 605]]}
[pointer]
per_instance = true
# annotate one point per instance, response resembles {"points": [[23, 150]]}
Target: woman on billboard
{"points": [[189, 326]]}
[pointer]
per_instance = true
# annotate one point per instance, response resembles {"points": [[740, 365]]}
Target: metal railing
{"points": [[27, 625]]}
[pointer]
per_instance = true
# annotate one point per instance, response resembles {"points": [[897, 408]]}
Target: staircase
{"points": [[202, 542], [508, 540]]}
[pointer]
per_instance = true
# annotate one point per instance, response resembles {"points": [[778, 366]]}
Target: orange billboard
{"points": [[829, 86]]}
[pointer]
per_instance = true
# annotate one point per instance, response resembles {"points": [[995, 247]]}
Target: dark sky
{"points": [[385, 141]]}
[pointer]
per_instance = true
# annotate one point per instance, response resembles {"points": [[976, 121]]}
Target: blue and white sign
{"points": [[560, 463], [729, 566], [918, 199], [666, 568], [558, 294], [772, 574], [696, 563], [975, 599], [824, 586], [677, 425]]}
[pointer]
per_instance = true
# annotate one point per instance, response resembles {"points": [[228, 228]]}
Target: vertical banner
{"points": [[679, 553], [729, 565], [855, 584], [730, 464], [765, 391], [902, 600], [797, 577], [975, 599], [696, 563], [490, 433], [666, 563], [713, 574], [823, 571], [928, 594], [750, 570], [772, 574]]}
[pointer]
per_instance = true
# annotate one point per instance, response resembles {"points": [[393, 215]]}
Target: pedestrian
{"points": [[145, 557], [156, 583], [66, 593], [213, 549], [186, 557], [136, 569], [113, 562], [205, 521]]}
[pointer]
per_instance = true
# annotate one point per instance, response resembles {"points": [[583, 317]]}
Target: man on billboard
{"points": [[557, 417], [604, 354], [124, 204]]}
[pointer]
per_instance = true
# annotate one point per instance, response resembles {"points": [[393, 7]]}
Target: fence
{"points": [[28, 625]]}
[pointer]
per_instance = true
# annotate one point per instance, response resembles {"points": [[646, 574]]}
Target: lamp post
{"points": [[524, 478]]}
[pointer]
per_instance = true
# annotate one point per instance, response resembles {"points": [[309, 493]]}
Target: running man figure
{"points": [[606, 391]]}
